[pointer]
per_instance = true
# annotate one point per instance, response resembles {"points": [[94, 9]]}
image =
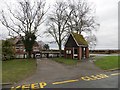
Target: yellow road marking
{"points": [[43, 84], [115, 74], [86, 78], [94, 77], [68, 81], [32, 86]]}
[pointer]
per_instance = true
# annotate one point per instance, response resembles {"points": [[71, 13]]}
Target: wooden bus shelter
{"points": [[76, 47]]}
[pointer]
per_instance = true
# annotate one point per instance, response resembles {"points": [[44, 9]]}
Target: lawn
{"points": [[107, 62], [15, 70], [66, 61], [0, 71]]}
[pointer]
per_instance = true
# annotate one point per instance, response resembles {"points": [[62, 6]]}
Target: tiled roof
{"points": [[14, 40], [17, 39], [79, 39]]}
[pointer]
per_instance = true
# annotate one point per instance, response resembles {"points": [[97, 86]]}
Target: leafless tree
{"points": [[25, 20], [82, 18], [92, 40], [57, 22], [70, 16], [41, 44]]}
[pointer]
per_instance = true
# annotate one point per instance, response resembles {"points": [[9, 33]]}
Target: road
{"points": [[106, 80], [109, 82]]}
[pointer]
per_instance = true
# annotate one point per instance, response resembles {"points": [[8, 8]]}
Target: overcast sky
{"points": [[107, 13], [107, 16]]}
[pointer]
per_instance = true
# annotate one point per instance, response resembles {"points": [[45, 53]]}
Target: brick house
{"points": [[19, 48], [76, 47]]}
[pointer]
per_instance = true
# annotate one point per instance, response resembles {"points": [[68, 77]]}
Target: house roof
{"points": [[14, 40], [17, 39], [79, 39], [36, 43]]}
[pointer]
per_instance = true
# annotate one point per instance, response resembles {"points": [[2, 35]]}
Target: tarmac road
{"points": [[109, 82], [106, 80]]}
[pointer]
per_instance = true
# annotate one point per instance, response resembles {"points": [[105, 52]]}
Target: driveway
{"points": [[50, 71]]}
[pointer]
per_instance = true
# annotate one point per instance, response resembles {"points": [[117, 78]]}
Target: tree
{"points": [[7, 49], [71, 16], [92, 40], [25, 20], [57, 22], [41, 44], [46, 47], [82, 18]]}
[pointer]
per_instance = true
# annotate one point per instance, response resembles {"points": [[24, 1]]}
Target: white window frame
{"points": [[68, 51]]}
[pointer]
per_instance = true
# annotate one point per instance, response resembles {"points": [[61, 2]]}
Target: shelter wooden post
{"points": [[80, 53], [83, 52], [87, 52], [65, 52]]}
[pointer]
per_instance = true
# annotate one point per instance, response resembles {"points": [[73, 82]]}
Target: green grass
{"points": [[107, 62], [0, 71], [16, 70], [66, 61]]}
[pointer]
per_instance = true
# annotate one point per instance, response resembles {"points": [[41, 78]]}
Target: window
{"points": [[21, 48], [17, 48], [68, 51]]}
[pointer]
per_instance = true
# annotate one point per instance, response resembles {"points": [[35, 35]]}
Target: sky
{"points": [[107, 17], [107, 13]]}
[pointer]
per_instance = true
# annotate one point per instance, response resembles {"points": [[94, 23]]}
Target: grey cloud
{"points": [[107, 15]]}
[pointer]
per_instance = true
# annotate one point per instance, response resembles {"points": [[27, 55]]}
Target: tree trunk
{"points": [[60, 50], [29, 54]]}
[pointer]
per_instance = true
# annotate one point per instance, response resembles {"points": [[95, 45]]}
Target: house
{"points": [[19, 48], [76, 47]]}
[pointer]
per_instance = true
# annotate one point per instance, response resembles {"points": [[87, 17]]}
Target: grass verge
{"points": [[15, 70], [66, 61], [108, 62]]}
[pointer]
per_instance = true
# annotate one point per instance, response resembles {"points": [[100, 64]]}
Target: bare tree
{"points": [[71, 16], [57, 23], [92, 40], [82, 18], [25, 20], [46, 47], [41, 44]]}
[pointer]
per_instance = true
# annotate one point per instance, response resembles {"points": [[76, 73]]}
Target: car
{"points": [[38, 55]]}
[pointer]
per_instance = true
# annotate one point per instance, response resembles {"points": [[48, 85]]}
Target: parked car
{"points": [[37, 55]]}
